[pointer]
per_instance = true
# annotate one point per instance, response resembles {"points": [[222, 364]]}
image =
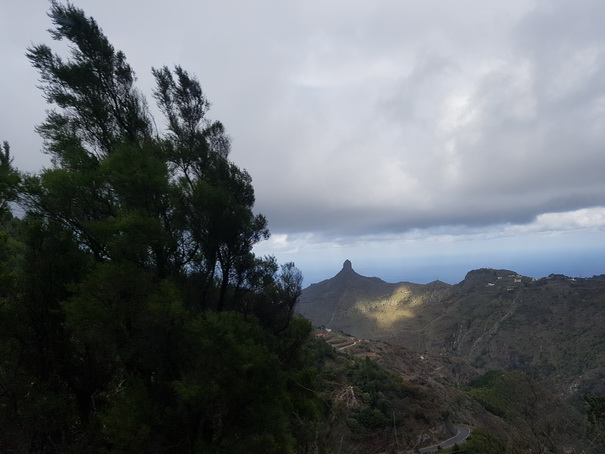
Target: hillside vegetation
{"points": [[494, 319], [135, 317], [539, 342]]}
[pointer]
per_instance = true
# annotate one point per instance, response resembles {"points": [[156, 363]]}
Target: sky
{"points": [[418, 139]]}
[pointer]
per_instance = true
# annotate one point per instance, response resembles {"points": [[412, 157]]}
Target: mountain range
{"points": [[492, 320]]}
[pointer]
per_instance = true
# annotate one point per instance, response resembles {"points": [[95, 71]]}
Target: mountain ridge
{"points": [[493, 319]]}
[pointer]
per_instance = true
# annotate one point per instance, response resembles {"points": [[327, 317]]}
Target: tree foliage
{"points": [[596, 420], [135, 316], [545, 422], [9, 179]]}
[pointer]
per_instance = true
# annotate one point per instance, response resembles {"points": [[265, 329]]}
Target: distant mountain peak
{"points": [[347, 271]]}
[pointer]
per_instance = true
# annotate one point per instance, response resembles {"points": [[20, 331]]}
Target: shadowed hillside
{"points": [[366, 307], [494, 319]]}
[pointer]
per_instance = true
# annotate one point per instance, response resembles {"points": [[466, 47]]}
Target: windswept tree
{"points": [[217, 196], [171, 202], [139, 318]]}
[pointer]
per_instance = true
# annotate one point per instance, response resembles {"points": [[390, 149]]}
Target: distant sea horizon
{"points": [[452, 270]]}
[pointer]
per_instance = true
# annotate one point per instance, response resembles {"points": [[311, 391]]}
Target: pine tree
{"points": [[137, 310]]}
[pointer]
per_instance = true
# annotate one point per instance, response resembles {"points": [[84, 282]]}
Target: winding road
{"points": [[347, 346], [463, 433]]}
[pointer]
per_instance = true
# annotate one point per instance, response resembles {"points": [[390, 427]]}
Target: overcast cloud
{"points": [[379, 129]]}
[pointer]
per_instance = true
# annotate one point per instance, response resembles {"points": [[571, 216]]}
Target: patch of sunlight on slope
{"points": [[391, 309]]}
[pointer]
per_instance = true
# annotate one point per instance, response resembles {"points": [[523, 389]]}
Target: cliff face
{"points": [[492, 319]]}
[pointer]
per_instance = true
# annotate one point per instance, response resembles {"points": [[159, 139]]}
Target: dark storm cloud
{"points": [[359, 118], [454, 129]]}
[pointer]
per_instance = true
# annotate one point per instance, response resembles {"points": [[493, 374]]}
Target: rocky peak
{"points": [[347, 272]]}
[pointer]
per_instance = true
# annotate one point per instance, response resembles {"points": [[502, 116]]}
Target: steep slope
{"points": [[366, 307], [493, 319]]}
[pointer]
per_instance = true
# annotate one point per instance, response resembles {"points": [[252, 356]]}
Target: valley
{"points": [[500, 349]]}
